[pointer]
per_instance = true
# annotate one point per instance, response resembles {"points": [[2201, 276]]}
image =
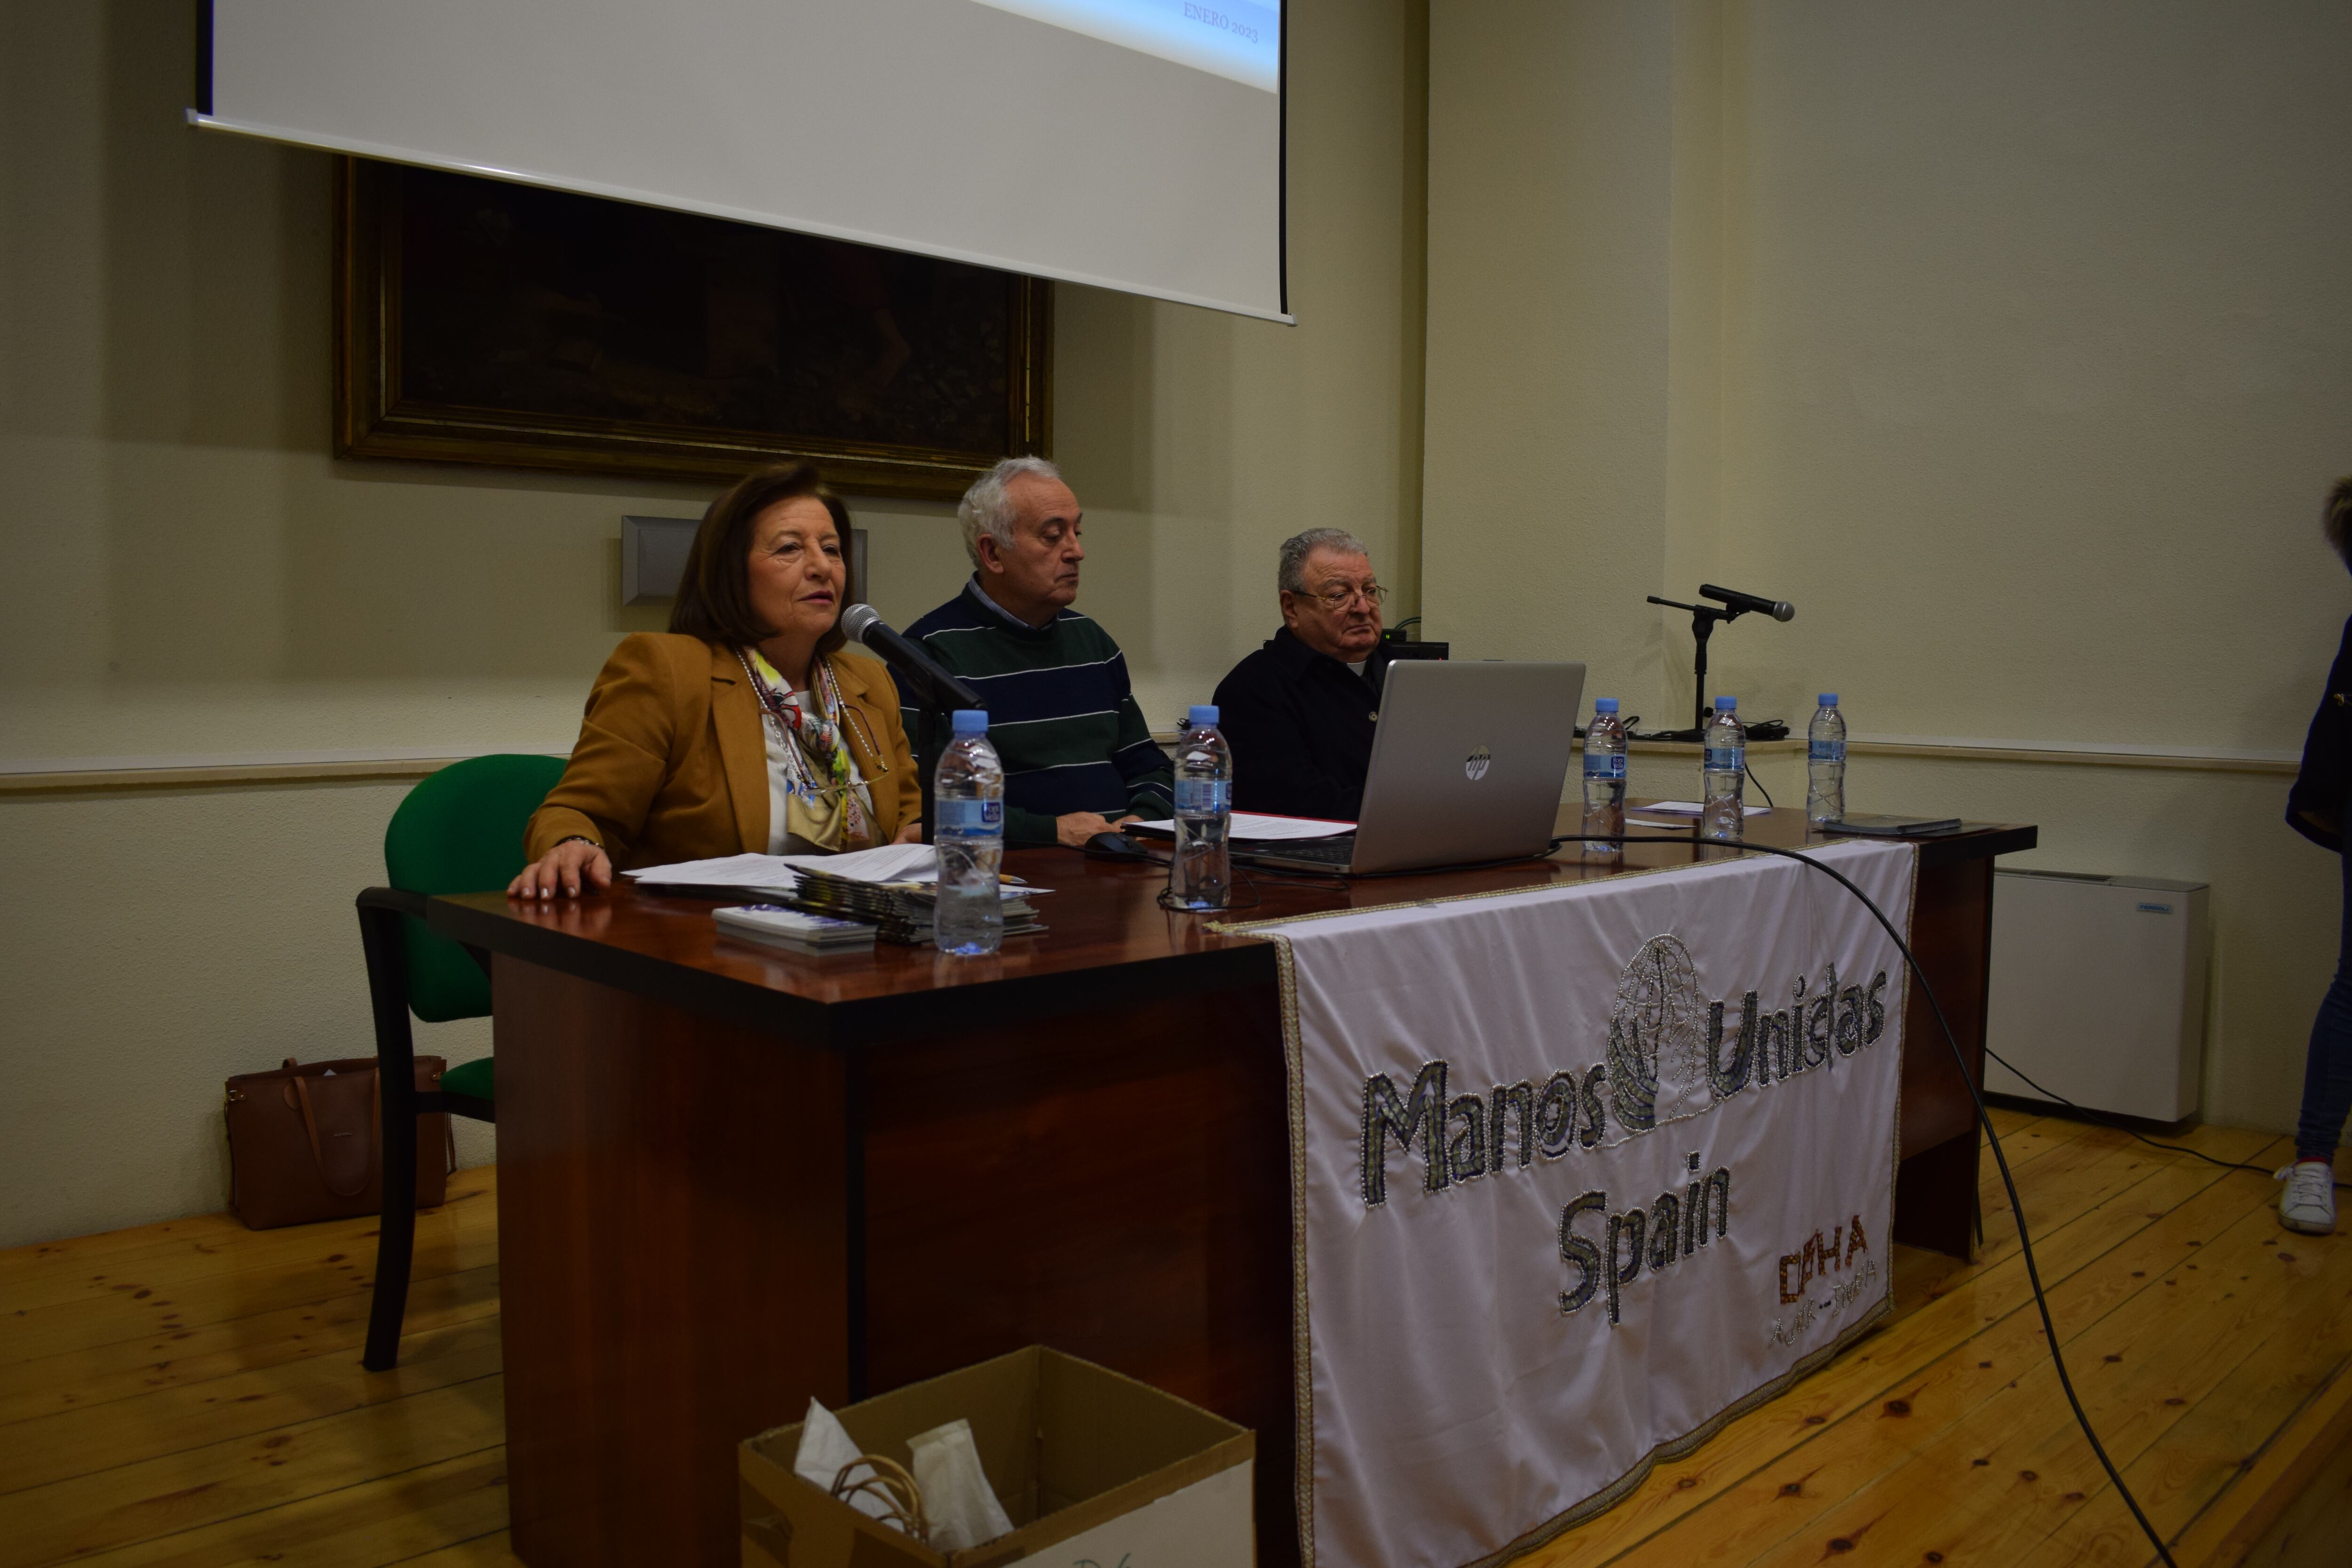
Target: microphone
{"points": [[1778, 609], [928, 681]]}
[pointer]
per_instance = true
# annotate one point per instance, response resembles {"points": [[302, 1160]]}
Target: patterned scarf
{"points": [[821, 800]]}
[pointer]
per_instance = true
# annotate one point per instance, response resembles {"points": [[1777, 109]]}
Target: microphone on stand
{"points": [[1703, 623], [927, 681], [1778, 609]]}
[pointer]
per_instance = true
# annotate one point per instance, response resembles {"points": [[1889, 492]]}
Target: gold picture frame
{"points": [[686, 349]]}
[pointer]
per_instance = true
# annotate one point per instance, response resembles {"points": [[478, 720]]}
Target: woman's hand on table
{"points": [[571, 867], [910, 834]]}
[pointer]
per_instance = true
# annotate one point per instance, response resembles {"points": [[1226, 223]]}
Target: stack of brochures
{"points": [[887, 890], [900, 912], [796, 930]]}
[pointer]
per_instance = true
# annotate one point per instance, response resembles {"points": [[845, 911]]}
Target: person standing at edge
{"points": [[1300, 711], [2317, 807], [1078, 758]]}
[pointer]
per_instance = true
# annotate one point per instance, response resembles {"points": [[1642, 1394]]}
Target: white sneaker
{"points": [[2308, 1205]]}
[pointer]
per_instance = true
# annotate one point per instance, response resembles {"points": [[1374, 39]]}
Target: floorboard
{"points": [[189, 1393]]}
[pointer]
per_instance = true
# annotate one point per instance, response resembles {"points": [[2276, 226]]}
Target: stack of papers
{"points": [[779, 927], [1256, 827], [758, 875]]}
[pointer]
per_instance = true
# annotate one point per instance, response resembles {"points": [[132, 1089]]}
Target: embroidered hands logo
{"points": [[1657, 1047]]}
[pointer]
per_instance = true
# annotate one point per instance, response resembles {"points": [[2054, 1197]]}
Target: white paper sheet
{"points": [[1686, 808], [886, 863], [1259, 829]]}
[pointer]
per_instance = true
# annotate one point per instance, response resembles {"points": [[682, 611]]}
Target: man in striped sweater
{"points": [[1078, 758]]}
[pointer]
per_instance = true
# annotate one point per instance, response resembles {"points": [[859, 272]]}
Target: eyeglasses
{"points": [[1335, 599]]}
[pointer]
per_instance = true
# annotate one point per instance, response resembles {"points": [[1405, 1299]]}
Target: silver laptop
{"points": [[1467, 766]]}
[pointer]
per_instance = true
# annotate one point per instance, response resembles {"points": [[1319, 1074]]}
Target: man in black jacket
{"points": [[1300, 713]]}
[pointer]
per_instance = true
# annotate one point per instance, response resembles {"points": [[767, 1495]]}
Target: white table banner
{"points": [[1579, 1174]]}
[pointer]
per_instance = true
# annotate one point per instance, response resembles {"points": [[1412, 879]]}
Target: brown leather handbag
{"points": [[302, 1142]]}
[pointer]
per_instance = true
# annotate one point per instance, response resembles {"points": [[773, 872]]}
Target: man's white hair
{"points": [[986, 508], [1290, 569]]}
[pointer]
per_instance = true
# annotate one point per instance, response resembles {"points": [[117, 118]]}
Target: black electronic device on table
{"points": [[1113, 846], [1872, 825], [1393, 639]]}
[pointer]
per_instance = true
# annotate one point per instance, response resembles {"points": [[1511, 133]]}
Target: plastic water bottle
{"points": [[1723, 818], [1200, 872], [1825, 764], [1604, 780], [969, 920]]}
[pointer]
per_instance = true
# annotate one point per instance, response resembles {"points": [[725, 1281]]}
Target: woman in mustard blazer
{"points": [[744, 727]]}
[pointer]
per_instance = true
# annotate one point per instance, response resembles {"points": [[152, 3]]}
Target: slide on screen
{"points": [[1239, 39]]}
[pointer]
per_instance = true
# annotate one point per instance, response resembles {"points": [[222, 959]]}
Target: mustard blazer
{"points": [[672, 765]]}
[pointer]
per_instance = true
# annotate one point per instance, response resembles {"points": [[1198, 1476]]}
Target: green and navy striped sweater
{"points": [[1060, 713]]}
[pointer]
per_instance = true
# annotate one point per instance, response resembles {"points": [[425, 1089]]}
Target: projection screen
{"points": [[1133, 145]]}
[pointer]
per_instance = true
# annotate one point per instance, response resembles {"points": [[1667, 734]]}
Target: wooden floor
{"points": [[190, 1394]]}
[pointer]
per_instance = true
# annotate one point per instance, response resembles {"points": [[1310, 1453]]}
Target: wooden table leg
{"points": [[1951, 932], [1116, 1185], [672, 1262]]}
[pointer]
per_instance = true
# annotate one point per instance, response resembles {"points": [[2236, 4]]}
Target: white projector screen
{"points": [[1133, 145]]}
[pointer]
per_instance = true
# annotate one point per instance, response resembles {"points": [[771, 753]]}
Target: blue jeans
{"points": [[2327, 1069]]}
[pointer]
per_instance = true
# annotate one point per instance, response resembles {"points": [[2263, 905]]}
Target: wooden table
{"points": [[731, 1178]]}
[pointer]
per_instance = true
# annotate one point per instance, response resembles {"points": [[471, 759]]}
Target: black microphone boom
{"points": [[1703, 623], [1778, 609], [928, 683]]}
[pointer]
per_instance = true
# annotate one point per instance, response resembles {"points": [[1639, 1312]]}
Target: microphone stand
{"points": [[1703, 623], [931, 688], [927, 764], [927, 744]]}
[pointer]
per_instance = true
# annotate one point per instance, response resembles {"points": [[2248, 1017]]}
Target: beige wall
{"points": [[190, 575], [2007, 340]]}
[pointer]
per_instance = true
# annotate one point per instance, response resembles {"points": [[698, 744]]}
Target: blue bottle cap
{"points": [[970, 720], [1604, 705], [1725, 704], [1203, 714], [1828, 699]]}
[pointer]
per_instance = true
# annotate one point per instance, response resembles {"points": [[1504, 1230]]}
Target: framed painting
{"points": [[482, 321]]}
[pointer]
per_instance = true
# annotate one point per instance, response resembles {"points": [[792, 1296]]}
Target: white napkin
{"points": [[825, 1448], [957, 1499]]}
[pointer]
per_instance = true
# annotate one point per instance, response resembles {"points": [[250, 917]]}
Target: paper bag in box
{"points": [[1089, 1465]]}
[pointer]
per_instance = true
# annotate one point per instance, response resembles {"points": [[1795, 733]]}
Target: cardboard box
{"points": [[1092, 1467]]}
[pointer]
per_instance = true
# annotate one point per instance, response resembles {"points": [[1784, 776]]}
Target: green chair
{"points": [[459, 831]]}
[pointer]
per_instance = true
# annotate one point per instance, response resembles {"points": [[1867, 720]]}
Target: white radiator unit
{"points": [[2098, 991]]}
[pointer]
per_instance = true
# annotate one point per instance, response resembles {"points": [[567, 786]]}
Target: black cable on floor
{"points": [[2108, 1120], [1984, 1120]]}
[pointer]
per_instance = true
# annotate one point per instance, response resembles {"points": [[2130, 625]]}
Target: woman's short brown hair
{"points": [[714, 594]]}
